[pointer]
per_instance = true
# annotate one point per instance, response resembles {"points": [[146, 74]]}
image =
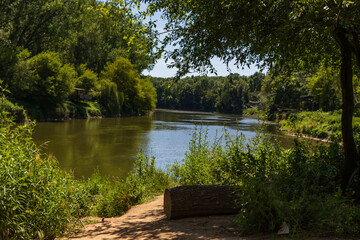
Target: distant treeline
{"points": [[49, 48], [221, 94], [313, 90]]}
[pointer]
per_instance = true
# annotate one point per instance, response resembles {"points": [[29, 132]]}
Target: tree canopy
{"points": [[49, 47], [282, 35]]}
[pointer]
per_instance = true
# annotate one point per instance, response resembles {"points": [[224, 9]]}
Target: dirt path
{"points": [[148, 221]]}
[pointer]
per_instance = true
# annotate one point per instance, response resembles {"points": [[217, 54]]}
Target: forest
{"points": [[314, 90], [84, 58], [50, 48]]}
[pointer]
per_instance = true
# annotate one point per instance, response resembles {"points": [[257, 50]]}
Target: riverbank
{"points": [[148, 221], [22, 111], [318, 125], [297, 185]]}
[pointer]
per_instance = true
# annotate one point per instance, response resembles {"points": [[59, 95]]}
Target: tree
{"points": [[136, 91], [324, 86], [87, 32], [87, 79], [42, 80], [284, 35]]}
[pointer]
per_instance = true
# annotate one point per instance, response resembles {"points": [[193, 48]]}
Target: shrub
{"points": [[36, 197], [111, 99], [13, 110], [87, 79], [297, 185], [112, 197], [139, 95], [40, 201], [43, 80]]}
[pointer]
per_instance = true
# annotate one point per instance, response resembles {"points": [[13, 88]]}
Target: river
{"points": [[111, 145]]}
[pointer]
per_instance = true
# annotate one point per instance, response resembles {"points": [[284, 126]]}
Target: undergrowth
{"points": [[318, 124], [297, 185], [38, 200]]}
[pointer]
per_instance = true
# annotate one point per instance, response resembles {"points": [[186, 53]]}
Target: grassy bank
{"points": [[254, 112], [317, 124], [67, 110]]}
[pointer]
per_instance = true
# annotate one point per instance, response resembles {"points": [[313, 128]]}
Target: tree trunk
{"points": [[199, 200], [351, 154]]}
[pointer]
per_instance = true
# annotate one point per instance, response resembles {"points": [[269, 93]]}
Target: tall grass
{"points": [[297, 185], [112, 196], [38, 200], [36, 197]]}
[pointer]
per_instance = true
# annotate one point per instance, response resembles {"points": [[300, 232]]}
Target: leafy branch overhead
{"points": [[287, 33], [280, 35]]}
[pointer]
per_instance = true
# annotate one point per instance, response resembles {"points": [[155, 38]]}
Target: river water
{"points": [[111, 145]]}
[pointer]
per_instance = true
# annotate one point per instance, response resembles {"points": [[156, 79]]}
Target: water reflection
{"points": [[111, 144], [106, 144]]}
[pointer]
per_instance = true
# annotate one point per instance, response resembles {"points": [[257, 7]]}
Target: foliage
{"points": [[282, 92], [139, 94], [12, 110], [147, 98], [222, 94], [296, 185], [228, 160], [78, 110], [253, 112], [282, 35], [317, 124], [87, 79], [108, 197], [53, 37], [43, 80], [36, 196], [146, 181], [325, 87], [111, 99], [42, 84], [41, 201], [84, 32]]}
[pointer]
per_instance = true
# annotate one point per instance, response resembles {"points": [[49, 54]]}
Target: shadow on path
{"points": [[148, 221]]}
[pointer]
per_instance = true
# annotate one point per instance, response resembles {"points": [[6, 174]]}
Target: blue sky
{"points": [[161, 70]]}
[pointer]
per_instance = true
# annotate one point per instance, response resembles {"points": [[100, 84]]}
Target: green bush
{"points": [[87, 80], [112, 197], [297, 185], [43, 80], [13, 110], [40, 201], [137, 95], [111, 99], [36, 197]]}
